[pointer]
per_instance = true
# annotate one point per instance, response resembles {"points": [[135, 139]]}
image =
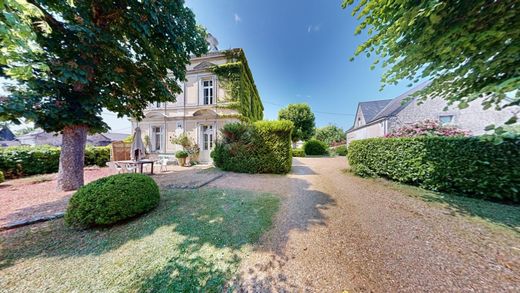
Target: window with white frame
{"points": [[208, 92], [179, 125], [157, 138], [446, 119]]}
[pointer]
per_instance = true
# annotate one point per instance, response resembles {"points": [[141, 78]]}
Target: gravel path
{"points": [[32, 198], [339, 232]]}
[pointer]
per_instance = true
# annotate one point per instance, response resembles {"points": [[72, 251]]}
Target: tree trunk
{"points": [[72, 157]]}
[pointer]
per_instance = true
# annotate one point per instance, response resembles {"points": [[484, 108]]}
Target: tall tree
{"points": [[469, 48], [330, 134], [118, 55], [303, 119]]}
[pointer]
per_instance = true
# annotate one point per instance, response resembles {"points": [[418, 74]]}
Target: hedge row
{"points": [[25, 161], [460, 165], [261, 147]]}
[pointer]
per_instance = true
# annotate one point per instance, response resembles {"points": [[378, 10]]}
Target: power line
{"points": [[318, 112]]}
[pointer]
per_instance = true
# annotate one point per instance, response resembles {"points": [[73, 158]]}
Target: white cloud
{"points": [[237, 18], [314, 28]]}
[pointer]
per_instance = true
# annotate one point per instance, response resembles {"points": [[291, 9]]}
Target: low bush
{"points": [[181, 154], [22, 161], [261, 147], [315, 147], [341, 150], [2, 178], [112, 199], [298, 153], [462, 165], [97, 156]]}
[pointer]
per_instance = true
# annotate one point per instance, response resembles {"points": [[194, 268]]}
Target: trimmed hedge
{"points": [[315, 147], [261, 147], [341, 150], [462, 165], [112, 199], [298, 153], [25, 160]]}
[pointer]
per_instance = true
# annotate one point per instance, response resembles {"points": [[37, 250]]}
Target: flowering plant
{"points": [[427, 128]]}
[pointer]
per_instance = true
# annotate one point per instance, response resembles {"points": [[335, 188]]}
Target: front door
{"points": [[207, 141]]}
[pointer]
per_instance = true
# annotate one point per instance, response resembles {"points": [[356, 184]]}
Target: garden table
{"points": [[139, 164]]}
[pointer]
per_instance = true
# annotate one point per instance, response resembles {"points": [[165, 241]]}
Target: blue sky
{"points": [[298, 52]]}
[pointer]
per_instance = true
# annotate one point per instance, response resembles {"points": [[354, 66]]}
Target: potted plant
{"points": [[193, 152], [181, 157]]}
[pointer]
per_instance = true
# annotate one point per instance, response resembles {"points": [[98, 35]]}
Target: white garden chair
{"points": [[164, 165], [131, 168]]}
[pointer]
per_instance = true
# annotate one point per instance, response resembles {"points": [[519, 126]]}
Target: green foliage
{"points": [[25, 161], [341, 150], [112, 199], [97, 156], [129, 139], [315, 147], [330, 134], [302, 118], [181, 154], [261, 147], [2, 178], [468, 48], [237, 79], [298, 152], [20, 51], [461, 165], [96, 55]]}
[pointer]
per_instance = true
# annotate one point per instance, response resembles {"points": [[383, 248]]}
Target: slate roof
{"points": [[371, 108], [375, 110], [6, 134], [115, 136], [399, 103]]}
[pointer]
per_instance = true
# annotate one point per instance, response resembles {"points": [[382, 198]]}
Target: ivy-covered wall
{"points": [[242, 94]]}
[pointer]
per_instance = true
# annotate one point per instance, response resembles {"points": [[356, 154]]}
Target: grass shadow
{"points": [[504, 215], [193, 241]]}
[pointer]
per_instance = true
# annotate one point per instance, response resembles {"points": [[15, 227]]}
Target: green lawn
{"points": [[193, 241]]}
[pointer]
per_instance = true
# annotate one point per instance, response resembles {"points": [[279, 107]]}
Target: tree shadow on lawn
{"points": [[208, 230], [504, 215]]}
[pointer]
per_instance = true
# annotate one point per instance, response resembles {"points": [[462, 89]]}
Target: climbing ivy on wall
{"points": [[236, 77]]}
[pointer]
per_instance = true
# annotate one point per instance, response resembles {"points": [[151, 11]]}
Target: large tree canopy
{"points": [[302, 118], [469, 48], [331, 134], [97, 54]]}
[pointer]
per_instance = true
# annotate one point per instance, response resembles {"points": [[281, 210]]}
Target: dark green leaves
{"points": [[468, 48], [97, 55], [303, 119], [469, 166]]}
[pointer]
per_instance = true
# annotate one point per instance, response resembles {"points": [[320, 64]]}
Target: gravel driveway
{"points": [[338, 232]]}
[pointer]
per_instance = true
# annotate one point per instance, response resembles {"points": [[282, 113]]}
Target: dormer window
{"points": [[208, 92]]}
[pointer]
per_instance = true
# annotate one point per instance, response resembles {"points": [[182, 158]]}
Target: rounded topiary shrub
{"points": [[112, 199], [315, 147], [341, 150], [2, 178]]}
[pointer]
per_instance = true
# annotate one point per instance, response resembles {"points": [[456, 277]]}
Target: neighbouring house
{"points": [[379, 118], [219, 89], [40, 137], [7, 138]]}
